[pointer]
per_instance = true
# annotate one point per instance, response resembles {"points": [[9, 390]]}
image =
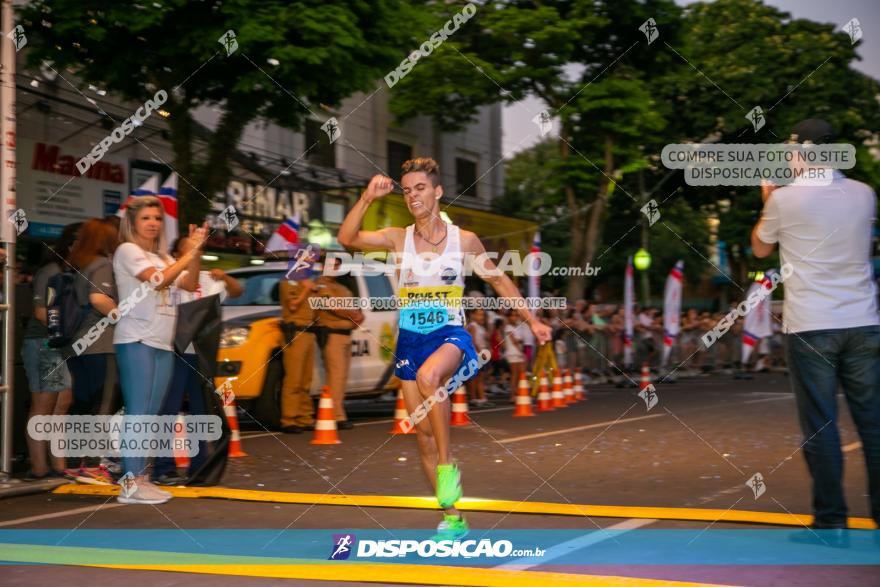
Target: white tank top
{"points": [[434, 276]]}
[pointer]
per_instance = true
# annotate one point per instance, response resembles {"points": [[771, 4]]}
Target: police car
{"points": [[250, 356]]}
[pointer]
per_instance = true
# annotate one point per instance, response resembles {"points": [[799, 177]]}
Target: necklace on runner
{"points": [[434, 245]]}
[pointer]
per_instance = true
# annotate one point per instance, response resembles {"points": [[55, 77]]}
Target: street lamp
{"points": [[642, 260]]}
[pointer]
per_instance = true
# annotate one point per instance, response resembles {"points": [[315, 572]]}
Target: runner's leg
{"points": [[424, 436], [433, 374]]}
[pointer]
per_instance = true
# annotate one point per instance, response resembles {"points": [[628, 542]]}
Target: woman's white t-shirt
{"points": [[511, 353], [479, 336], [149, 316]]}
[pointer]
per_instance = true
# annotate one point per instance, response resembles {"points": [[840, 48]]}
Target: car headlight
{"points": [[233, 336]]}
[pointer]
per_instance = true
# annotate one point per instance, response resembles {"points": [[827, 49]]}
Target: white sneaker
{"points": [[144, 495]]}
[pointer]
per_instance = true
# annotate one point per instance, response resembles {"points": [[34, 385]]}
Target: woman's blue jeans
{"points": [[144, 375]]}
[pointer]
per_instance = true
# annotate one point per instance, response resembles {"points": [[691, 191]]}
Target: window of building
{"points": [[324, 152], [397, 154], [465, 177]]}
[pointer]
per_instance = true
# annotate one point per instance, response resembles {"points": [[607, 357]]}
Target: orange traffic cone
{"points": [[400, 416], [567, 384], [646, 377], [235, 449], [460, 408], [181, 458], [523, 399], [325, 424], [545, 404], [557, 395], [579, 387]]}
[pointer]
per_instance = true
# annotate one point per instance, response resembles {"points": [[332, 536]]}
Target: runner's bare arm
{"points": [[350, 234], [500, 282]]}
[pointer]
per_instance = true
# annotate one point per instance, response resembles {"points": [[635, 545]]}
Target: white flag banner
{"points": [[756, 324], [628, 302], [535, 279], [672, 309]]}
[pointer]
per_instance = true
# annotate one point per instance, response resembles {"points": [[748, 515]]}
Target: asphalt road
{"points": [[696, 448]]}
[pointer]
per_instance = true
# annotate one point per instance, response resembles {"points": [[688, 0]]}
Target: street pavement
{"points": [[696, 448]]}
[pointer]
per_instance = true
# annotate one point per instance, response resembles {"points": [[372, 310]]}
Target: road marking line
{"points": [[61, 514], [481, 505], [570, 546], [372, 422], [768, 399], [577, 428], [259, 434]]}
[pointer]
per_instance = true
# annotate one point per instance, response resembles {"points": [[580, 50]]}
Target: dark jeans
{"points": [[90, 385], [185, 381], [88, 374], [819, 361]]}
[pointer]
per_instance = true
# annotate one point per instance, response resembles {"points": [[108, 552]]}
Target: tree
{"points": [[750, 54], [619, 100], [534, 191], [292, 58], [518, 48]]}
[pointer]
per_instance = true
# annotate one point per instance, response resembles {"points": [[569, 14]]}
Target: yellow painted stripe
{"points": [[483, 505], [280, 568]]}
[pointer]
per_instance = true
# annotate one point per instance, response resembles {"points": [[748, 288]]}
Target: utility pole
{"points": [[9, 45]]}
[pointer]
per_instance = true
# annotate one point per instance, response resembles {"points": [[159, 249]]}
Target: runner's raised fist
{"points": [[380, 185]]}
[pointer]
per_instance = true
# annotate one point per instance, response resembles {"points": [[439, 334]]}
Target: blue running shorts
{"points": [[413, 349]]}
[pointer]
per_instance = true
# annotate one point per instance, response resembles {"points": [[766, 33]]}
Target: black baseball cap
{"points": [[815, 130]]}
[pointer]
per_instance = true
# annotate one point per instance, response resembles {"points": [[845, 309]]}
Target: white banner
{"points": [[628, 301], [756, 324], [672, 308], [535, 280]]}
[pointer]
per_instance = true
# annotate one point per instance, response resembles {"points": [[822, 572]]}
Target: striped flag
{"points": [[168, 197], [287, 234], [672, 308], [148, 188], [628, 301]]}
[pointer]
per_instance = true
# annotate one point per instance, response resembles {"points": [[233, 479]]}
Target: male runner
{"points": [[430, 351]]}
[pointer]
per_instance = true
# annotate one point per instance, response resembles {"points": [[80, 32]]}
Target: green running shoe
{"points": [[451, 528], [448, 485]]}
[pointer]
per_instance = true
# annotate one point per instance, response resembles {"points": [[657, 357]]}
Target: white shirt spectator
{"points": [[512, 335], [478, 332], [824, 232], [150, 321], [526, 334]]}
